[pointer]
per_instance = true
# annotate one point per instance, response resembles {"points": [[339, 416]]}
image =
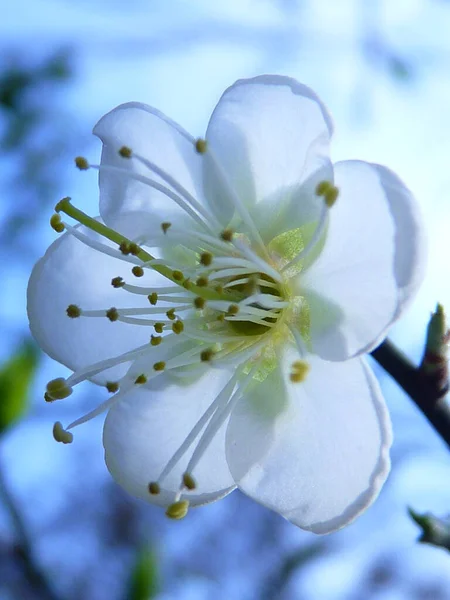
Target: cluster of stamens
{"points": [[228, 305]]}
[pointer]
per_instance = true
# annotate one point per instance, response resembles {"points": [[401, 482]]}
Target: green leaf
{"points": [[16, 375], [144, 583]]}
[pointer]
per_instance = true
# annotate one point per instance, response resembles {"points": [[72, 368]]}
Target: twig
{"points": [[423, 388], [35, 577]]}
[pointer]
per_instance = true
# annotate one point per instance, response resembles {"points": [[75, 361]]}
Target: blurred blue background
{"points": [[383, 69]]}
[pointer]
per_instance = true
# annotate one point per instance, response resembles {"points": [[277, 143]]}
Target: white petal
{"points": [[269, 134], [321, 458], [145, 429], [71, 272], [153, 136], [371, 265]]}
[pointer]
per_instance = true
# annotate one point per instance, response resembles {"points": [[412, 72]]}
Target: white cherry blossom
{"points": [[225, 297]]}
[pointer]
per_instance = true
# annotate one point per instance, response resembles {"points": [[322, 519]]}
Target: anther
{"points": [[117, 282], [158, 327], [177, 275], [48, 398], [170, 314], [300, 370], [226, 235], [155, 340], [137, 271], [201, 146], [112, 314], [140, 379], [178, 510], [81, 163], [165, 226], [206, 258], [134, 249], [124, 247], [57, 389], [206, 355], [233, 309], [189, 481], [55, 222], [112, 386], [159, 366], [61, 435], [153, 298], [73, 311], [125, 152], [202, 281], [331, 196], [322, 188], [153, 488], [199, 303], [187, 284], [178, 327]]}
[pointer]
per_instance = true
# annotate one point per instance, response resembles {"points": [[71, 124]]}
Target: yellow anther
{"points": [[206, 355], [73, 311], [140, 379], [153, 488], [300, 370], [233, 309], [134, 249], [55, 222], [331, 196], [153, 298], [219, 288], [137, 271], [199, 303], [189, 481], [187, 284], [112, 386], [226, 235], [159, 327], [61, 435], [170, 314], [124, 247], [322, 188], [202, 281], [125, 152], [206, 258], [81, 163], [178, 327], [155, 340], [159, 366], [178, 510], [112, 314], [117, 282], [201, 146], [165, 226], [177, 275], [57, 389]]}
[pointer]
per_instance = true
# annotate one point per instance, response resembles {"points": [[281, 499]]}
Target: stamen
{"points": [[199, 303], [112, 314], [189, 481], [155, 340], [58, 389], [165, 227], [154, 488], [207, 355], [81, 163], [226, 235], [137, 271], [158, 327], [140, 379], [201, 146], [117, 282], [159, 366], [300, 370], [153, 298], [62, 435], [206, 258], [73, 311], [112, 386], [56, 224], [178, 327], [171, 314], [177, 275], [178, 510]]}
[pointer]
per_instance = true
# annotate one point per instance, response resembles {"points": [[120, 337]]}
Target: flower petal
{"points": [[71, 272], [144, 430], [269, 134], [322, 459], [372, 263], [156, 138]]}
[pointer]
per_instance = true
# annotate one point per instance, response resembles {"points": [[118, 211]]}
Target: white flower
{"points": [[226, 302]]}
